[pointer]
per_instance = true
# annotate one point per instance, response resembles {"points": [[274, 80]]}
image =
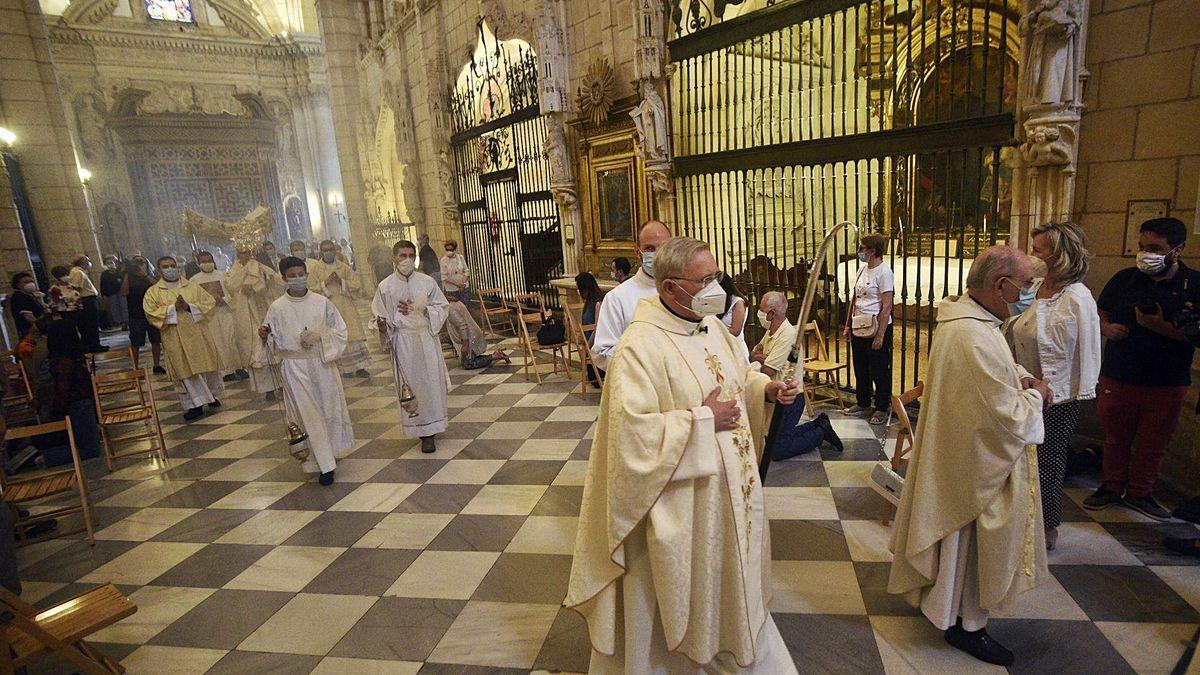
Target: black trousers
{"points": [[88, 321], [873, 371]]}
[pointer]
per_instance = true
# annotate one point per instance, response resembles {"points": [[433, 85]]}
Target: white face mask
{"points": [[648, 263], [710, 301], [63, 279], [762, 319], [1151, 263], [30, 288], [207, 266], [864, 257], [297, 283], [406, 266]]}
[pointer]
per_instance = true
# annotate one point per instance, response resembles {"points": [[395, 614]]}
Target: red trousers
{"points": [[1136, 415]]}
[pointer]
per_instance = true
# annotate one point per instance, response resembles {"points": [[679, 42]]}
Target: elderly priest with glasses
{"points": [[672, 555]]}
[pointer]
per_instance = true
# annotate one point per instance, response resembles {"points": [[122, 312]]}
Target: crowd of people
{"points": [[673, 508], [673, 505]]}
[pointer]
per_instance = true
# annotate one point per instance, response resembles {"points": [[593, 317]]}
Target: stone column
{"points": [[1049, 84], [341, 29], [32, 108], [650, 116]]}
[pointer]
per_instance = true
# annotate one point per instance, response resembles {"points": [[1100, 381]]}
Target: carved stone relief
{"points": [[595, 96], [505, 25], [97, 141], [553, 66]]}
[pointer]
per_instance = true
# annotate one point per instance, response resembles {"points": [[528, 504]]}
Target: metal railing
{"points": [[892, 114]]}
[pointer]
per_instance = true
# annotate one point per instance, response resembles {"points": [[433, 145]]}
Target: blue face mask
{"points": [[864, 257], [648, 263], [1024, 300]]}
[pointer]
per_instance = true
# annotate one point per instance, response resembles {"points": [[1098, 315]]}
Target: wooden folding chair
{"points": [[35, 486], [576, 334], [820, 371], [904, 434], [61, 629], [112, 361], [140, 409], [18, 397], [499, 308], [530, 311]]}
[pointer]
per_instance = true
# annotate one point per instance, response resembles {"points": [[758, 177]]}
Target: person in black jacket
{"points": [[26, 303], [110, 288]]}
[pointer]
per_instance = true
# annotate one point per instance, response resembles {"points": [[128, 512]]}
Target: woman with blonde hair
{"points": [[1057, 338]]}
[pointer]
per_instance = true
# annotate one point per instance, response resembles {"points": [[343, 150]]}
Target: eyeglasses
{"points": [[715, 276]]}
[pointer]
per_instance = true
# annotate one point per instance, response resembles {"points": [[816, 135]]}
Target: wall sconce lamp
{"points": [[7, 137]]}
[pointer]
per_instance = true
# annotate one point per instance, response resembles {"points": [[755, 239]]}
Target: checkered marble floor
{"points": [[459, 560]]}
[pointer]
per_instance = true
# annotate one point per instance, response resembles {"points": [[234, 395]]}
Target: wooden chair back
{"points": [[905, 434], [36, 485], [18, 379], [61, 629], [138, 406], [576, 334], [498, 306], [113, 359]]}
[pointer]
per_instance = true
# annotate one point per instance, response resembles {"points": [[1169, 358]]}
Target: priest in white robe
{"points": [[221, 321], [671, 569], [335, 280], [616, 310], [306, 333], [252, 287], [968, 533], [409, 310], [180, 310]]}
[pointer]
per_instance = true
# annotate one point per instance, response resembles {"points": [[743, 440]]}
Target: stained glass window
{"points": [[170, 10]]}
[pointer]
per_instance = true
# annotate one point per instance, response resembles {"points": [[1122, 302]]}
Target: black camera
{"points": [[1187, 320]]}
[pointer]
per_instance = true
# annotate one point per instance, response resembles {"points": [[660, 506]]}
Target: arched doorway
{"points": [[296, 217]]}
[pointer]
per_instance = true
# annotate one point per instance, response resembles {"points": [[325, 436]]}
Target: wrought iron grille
{"points": [[889, 113], [510, 224]]}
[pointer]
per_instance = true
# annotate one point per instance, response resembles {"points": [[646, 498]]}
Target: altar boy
{"points": [[306, 332]]}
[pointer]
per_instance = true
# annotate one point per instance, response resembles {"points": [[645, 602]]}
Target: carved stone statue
{"points": [[555, 149], [1051, 33], [650, 118], [446, 177], [96, 140], [1046, 146]]}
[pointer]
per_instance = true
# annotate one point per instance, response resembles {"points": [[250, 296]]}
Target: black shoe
{"points": [[229, 378], [193, 413], [1147, 507], [160, 370], [1186, 546], [427, 445], [830, 436], [326, 478], [1101, 499], [980, 645], [270, 397], [241, 374], [214, 405], [38, 529], [362, 372]]}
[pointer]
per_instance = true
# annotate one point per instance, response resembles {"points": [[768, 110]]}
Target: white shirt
{"points": [[777, 346], [870, 287], [616, 311], [454, 272], [81, 281], [1059, 337], [727, 319]]}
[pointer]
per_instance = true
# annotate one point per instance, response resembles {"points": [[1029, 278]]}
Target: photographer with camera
{"points": [[1146, 315]]}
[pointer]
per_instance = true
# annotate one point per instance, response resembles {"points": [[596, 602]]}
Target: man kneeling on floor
{"points": [[307, 333], [468, 338]]}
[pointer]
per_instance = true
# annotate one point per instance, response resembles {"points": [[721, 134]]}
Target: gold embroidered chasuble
{"points": [[659, 471]]}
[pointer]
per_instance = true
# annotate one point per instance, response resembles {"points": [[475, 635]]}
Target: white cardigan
{"points": [[1059, 337]]}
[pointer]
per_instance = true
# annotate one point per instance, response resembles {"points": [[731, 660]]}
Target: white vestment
{"points": [[252, 287], [342, 293], [311, 382], [671, 567], [221, 320], [616, 311], [416, 348], [968, 532]]}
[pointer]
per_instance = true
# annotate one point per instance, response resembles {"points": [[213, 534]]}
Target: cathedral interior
{"points": [[539, 136]]}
